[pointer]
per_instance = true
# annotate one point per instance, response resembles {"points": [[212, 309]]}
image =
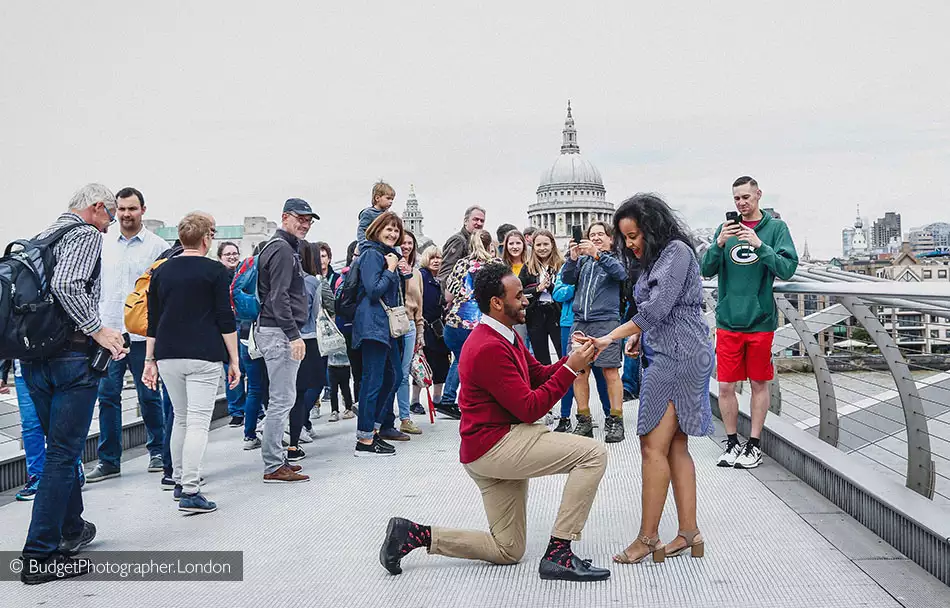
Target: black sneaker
{"points": [[385, 443], [416, 408], [377, 448], [54, 568], [449, 410], [71, 546], [585, 426], [168, 483], [236, 421], [614, 432], [293, 455], [563, 426]]}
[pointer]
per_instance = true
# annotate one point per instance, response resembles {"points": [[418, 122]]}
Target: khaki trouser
{"points": [[529, 450]]}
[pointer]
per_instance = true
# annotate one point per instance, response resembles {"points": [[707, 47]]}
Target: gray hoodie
{"points": [[598, 282]]}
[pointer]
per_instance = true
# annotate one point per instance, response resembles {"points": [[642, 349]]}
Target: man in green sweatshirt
{"points": [[747, 257]]}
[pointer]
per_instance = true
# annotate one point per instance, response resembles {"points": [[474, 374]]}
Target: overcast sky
{"points": [[208, 106]]}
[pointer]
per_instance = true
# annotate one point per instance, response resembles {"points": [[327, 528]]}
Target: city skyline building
{"points": [[885, 230], [570, 193]]}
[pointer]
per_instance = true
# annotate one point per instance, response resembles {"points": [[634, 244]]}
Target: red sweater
{"points": [[502, 384]]}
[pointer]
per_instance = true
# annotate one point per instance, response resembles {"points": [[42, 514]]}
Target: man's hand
{"points": [[111, 339], [748, 234], [150, 375], [297, 350], [587, 248], [391, 261], [573, 251], [729, 230], [234, 373], [582, 357]]}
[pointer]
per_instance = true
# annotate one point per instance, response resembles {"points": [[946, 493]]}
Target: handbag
{"points": [[252, 351], [330, 339], [399, 323], [420, 370]]}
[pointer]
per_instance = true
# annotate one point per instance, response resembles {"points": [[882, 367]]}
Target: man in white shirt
{"points": [[125, 256]]}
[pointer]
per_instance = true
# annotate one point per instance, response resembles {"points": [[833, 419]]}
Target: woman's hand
{"points": [[391, 261], [404, 267], [601, 344], [632, 347], [150, 375], [420, 338], [575, 253], [234, 374]]}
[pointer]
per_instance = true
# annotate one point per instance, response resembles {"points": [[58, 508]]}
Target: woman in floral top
{"points": [[464, 314]]}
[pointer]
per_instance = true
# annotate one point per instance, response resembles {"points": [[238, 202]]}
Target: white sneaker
{"points": [[305, 436], [750, 457], [312, 433], [729, 455], [252, 444], [315, 412]]}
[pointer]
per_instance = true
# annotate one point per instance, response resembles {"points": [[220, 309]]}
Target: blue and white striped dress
{"points": [[675, 342]]}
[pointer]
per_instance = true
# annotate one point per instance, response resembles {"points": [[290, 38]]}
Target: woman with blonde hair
{"points": [[543, 313], [464, 314], [433, 345]]}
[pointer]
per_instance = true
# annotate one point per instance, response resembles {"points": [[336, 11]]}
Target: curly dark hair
{"points": [[488, 284], [658, 224]]}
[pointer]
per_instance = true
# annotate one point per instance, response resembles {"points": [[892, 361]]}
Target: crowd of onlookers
{"points": [[288, 332]]}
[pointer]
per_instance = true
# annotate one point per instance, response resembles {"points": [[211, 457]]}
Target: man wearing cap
{"points": [[284, 310]]}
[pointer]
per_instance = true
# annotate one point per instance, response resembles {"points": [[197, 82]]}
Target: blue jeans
{"points": [[567, 401], [381, 376], [631, 375], [169, 412], [34, 439], [63, 389], [407, 347], [256, 372], [455, 338], [236, 396], [110, 408]]}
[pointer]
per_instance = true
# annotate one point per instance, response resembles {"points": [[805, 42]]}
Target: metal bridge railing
{"points": [[863, 364]]}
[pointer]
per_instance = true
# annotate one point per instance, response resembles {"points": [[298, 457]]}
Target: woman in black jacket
{"points": [[433, 307], [543, 315]]}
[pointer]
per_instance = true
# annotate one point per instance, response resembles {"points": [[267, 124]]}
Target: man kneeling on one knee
{"points": [[506, 391]]}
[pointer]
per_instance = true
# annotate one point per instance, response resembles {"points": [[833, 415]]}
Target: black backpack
{"points": [[33, 325], [348, 292]]}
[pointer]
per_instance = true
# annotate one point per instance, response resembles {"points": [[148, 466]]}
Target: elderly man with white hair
{"points": [[63, 386]]}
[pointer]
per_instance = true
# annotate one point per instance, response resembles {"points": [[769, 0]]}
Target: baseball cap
{"points": [[298, 206]]}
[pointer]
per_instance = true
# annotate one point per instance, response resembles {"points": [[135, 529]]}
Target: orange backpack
{"points": [[136, 304]]}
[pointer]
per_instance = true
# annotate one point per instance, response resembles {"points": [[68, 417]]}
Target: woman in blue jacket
{"points": [[382, 368]]}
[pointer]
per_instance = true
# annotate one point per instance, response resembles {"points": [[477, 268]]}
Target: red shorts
{"points": [[741, 356]]}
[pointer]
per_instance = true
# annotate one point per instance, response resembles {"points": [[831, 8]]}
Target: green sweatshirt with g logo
{"points": [[746, 276]]}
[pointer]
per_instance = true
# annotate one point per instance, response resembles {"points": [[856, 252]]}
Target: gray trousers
{"points": [[282, 374], [192, 385]]}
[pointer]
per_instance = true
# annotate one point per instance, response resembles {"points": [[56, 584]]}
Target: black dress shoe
{"points": [[55, 567], [397, 533], [449, 410], [71, 546], [580, 570]]}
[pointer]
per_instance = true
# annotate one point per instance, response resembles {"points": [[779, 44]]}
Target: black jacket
{"points": [[284, 301], [530, 283]]}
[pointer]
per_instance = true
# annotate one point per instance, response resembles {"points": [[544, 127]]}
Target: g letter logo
{"points": [[743, 254]]}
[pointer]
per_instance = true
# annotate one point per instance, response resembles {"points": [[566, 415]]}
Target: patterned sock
{"points": [[754, 442], [559, 552], [419, 536]]}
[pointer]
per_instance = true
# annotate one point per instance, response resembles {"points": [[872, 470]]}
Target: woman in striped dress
{"points": [[674, 396]]}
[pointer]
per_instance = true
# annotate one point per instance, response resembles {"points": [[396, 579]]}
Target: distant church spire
{"points": [[412, 216], [806, 256], [569, 143]]}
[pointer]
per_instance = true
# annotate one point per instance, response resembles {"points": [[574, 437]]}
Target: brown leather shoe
{"points": [[285, 475], [293, 467]]}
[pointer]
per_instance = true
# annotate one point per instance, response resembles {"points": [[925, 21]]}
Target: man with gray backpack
{"points": [[49, 319]]}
